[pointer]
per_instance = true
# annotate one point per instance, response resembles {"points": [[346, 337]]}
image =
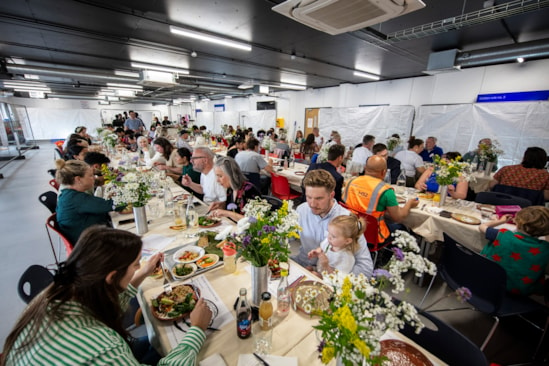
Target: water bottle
{"points": [[401, 183], [283, 294], [387, 178], [243, 316], [191, 215], [474, 164], [168, 201]]}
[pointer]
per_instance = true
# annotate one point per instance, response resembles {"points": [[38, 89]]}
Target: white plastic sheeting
{"points": [[515, 126], [46, 124], [255, 119], [353, 123]]}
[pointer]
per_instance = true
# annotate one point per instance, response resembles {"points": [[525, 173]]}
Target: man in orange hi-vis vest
{"points": [[371, 195]]}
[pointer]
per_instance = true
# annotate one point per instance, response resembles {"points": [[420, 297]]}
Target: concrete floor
{"points": [[24, 242]]}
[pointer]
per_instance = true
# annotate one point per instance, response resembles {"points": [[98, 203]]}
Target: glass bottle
{"points": [[474, 164], [191, 215], [168, 201], [243, 316], [265, 311], [283, 294], [401, 183], [387, 178]]}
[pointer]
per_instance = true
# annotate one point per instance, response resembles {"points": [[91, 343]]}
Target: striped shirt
{"points": [[78, 338]]}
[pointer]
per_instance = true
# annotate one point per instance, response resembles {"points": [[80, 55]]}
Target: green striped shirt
{"points": [[80, 339]]}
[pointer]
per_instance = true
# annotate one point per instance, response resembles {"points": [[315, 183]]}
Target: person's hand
{"points": [[150, 265], [413, 202], [322, 260], [201, 315], [216, 206], [314, 253], [161, 166], [421, 186], [186, 180]]}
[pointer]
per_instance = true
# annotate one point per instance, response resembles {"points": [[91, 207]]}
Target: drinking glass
{"points": [[262, 340], [153, 207]]}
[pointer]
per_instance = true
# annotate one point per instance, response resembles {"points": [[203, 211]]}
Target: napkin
{"points": [[250, 360], [435, 210], [213, 360]]}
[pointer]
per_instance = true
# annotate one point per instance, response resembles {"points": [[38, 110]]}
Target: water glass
{"points": [[401, 187], [168, 207], [153, 207], [262, 340]]}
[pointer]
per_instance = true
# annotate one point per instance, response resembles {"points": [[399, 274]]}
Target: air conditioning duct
{"points": [[443, 61], [157, 79], [340, 16]]}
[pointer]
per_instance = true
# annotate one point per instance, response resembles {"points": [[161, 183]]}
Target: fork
{"points": [[167, 285]]}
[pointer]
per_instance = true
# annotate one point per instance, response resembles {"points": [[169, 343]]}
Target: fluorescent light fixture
{"points": [[228, 96], [124, 93], [113, 99], [205, 100], [126, 73], [37, 94], [23, 84], [366, 75], [520, 60], [176, 70], [28, 90], [292, 86], [103, 102], [127, 86], [245, 86], [210, 38], [31, 77]]}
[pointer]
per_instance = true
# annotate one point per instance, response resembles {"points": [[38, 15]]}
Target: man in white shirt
{"points": [[203, 162], [183, 140], [251, 164], [362, 153], [319, 140]]}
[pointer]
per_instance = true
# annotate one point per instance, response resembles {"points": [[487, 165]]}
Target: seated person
{"points": [[522, 254], [96, 160], [78, 318], [76, 152], [371, 195], [183, 158], [428, 182], [203, 162], [529, 174], [392, 164], [335, 158], [410, 160], [165, 156], [470, 156], [251, 164], [309, 147], [238, 143], [431, 149], [76, 209], [183, 140], [239, 190], [146, 151]]}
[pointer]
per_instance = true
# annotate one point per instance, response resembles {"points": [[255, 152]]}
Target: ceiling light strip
{"points": [[209, 38], [366, 75], [176, 70]]}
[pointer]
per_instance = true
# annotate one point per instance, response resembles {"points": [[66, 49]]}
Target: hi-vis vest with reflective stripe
{"points": [[362, 195]]}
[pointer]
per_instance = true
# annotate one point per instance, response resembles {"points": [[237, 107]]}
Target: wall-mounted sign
{"points": [[219, 107], [513, 97]]}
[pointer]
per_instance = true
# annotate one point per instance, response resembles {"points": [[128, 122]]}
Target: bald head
{"points": [[376, 166]]}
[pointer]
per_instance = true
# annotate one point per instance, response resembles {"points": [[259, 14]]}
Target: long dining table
{"points": [[293, 336]]}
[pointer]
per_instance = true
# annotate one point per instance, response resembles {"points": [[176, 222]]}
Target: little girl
{"points": [[338, 249]]}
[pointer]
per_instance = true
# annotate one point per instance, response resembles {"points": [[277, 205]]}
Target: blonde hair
{"points": [[533, 220], [68, 170], [352, 227]]}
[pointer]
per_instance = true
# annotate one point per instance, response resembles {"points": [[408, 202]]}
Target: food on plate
{"points": [[402, 354], [311, 297], [177, 227], [207, 261], [206, 221], [181, 197], [187, 256], [426, 195], [177, 304], [182, 270]]}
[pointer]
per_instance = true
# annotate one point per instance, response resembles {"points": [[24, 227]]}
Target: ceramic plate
{"points": [[178, 304], [311, 297], [206, 222], [470, 220], [188, 254], [300, 173], [188, 268], [207, 261]]}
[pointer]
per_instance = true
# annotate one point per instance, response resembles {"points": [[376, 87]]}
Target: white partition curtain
{"points": [[516, 126], [59, 123], [255, 119], [353, 123]]}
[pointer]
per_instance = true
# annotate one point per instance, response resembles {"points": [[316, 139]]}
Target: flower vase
{"points": [[260, 282], [488, 168], [443, 195], [140, 216]]}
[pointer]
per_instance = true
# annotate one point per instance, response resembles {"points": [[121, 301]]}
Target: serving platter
{"points": [[466, 219], [400, 353], [311, 297]]}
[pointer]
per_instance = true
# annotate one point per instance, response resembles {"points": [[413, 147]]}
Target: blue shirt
{"points": [[134, 124], [314, 230], [428, 155]]}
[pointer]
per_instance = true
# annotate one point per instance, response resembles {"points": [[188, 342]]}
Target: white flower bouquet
{"points": [[132, 189]]}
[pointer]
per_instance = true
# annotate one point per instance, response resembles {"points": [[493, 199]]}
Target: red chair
{"points": [[54, 184], [299, 155], [371, 234], [51, 224], [262, 151], [280, 187], [274, 155]]}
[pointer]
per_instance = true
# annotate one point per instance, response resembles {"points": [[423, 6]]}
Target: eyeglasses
{"points": [[197, 157]]}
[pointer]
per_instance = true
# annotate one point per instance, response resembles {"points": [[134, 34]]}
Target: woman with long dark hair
{"points": [[165, 157], [410, 160], [77, 320], [309, 147]]}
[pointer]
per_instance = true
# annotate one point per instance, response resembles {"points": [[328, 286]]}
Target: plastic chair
{"points": [[314, 158], [54, 184], [49, 199], [495, 198], [51, 224], [536, 197], [299, 155], [280, 188], [273, 201], [36, 278], [461, 267], [52, 172], [255, 179], [446, 343], [59, 152]]}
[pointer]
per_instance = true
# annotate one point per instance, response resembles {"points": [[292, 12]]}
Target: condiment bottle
{"points": [[283, 294], [266, 311], [243, 316]]}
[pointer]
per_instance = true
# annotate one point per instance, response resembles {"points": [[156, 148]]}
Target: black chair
{"points": [[496, 198], [461, 267], [275, 202], [52, 172], [33, 281], [446, 342], [536, 197], [49, 199]]}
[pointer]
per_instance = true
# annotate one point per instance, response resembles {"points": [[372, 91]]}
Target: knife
{"points": [[265, 363]]}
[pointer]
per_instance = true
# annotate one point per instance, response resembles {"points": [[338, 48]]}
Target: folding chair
{"points": [[280, 188], [486, 279], [496, 198], [49, 199], [275, 203], [35, 279], [54, 184], [535, 196], [51, 224]]}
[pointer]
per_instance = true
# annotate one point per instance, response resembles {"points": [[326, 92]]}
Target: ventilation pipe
{"points": [[64, 73], [502, 54]]}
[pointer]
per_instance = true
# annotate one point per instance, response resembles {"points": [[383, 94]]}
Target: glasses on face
{"points": [[197, 157]]}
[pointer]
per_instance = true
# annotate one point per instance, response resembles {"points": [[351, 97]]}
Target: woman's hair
{"points": [[351, 227], [252, 143], [74, 151], [184, 153], [68, 170], [533, 220], [142, 138], [534, 157], [82, 278], [166, 145], [413, 142], [309, 140], [452, 155], [300, 133], [230, 168]]}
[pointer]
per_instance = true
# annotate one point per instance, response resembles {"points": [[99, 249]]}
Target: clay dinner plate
{"points": [[470, 220], [207, 261], [311, 297], [300, 173], [177, 296], [216, 223], [197, 253], [402, 354]]}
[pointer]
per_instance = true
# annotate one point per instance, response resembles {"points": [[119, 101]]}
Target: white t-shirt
{"points": [[250, 161], [319, 140], [342, 260], [213, 191], [409, 161], [360, 155]]}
